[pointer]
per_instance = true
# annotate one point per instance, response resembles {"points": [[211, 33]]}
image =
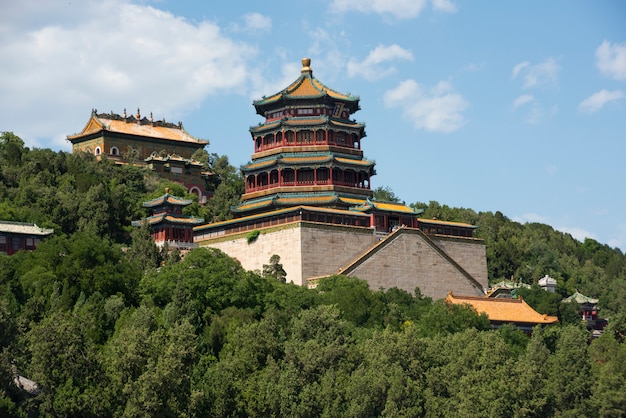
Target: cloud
{"points": [[437, 110], [371, 68], [107, 54], [253, 23], [576, 232], [398, 9], [539, 114], [544, 73], [598, 99], [522, 100], [611, 60], [444, 6]]}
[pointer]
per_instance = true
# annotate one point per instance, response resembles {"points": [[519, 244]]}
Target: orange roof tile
{"points": [[503, 310], [451, 223], [133, 127]]}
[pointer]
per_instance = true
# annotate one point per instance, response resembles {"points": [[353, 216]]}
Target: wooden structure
{"points": [[16, 236], [168, 225], [164, 147]]}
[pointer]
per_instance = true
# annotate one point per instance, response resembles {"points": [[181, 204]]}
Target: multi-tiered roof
{"points": [[307, 151]]}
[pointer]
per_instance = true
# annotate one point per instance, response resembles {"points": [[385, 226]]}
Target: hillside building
{"points": [[168, 225], [16, 236], [164, 147], [502, 311], [308, 199]]}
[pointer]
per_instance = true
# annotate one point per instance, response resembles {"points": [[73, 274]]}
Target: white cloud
{"points": [[438, 109], [522, 100], [253, 23], [598, 99], [371, 68], [519, 67], [611, 60], [543, 73], [576, 232], [531, 217], [398, 9], [444, 6], [107, 54], [539, 114]]}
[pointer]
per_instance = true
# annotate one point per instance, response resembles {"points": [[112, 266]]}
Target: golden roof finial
{"points": [[138, 114], [306, 66]]}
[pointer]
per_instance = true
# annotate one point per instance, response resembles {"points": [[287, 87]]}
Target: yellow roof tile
{"points": [[451, 223], [395, 207], [503, 310], [151, 130]]}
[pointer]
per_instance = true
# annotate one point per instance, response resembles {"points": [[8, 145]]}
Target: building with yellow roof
{"points": [[308, 199], [164, 147], [504, 311]]}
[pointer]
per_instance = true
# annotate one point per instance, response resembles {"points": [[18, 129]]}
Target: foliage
{"points": [[110, 327], [274, 269], [252, 236]]}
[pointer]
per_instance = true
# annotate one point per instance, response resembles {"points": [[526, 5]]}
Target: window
{"points": [[98, 151], [114, 151]]}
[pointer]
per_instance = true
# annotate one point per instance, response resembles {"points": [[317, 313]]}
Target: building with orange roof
{"points": [[164, 147], [504, 311], [308, 200]]}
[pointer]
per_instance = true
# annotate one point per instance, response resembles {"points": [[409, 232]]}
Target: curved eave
{"points": [[181, 220], [309, 161], [167, 198], [446, 223], [303, 123], [306, 87], [274, 213]]}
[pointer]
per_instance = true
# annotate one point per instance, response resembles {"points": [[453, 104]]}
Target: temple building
{"points": [[502, 311], [168, 225], [308, 199], [165, 148], [16, 236]]}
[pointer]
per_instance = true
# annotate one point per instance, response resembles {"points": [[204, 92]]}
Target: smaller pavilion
{"points": [[167, 223], [588, 307], [502, 311]]}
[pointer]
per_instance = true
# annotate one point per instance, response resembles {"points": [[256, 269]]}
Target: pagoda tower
{"points": [[307, 151], [308, 200]]}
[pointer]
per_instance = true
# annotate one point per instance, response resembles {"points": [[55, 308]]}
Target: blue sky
{"points": [[511, 106]]}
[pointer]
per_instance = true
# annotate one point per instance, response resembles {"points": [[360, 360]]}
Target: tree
{"points": [[274, 269], [384, 193]]}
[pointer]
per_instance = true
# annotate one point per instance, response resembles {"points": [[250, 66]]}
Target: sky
{"points": [[510, 106]]}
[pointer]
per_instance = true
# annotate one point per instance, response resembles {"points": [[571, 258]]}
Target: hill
{"points": [[107, 326]]}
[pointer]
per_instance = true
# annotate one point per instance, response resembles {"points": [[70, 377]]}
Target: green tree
{"points": [[274, 269]]}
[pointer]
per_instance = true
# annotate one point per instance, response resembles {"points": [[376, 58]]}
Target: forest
{"points": [[109, 326]]}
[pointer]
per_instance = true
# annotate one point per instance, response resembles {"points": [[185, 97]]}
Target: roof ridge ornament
{"points": [[306, 66]]}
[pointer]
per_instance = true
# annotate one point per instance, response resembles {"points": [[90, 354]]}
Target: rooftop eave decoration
{"points": [[167, 198], [134, 125], [306, 87], [304, 122]]}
